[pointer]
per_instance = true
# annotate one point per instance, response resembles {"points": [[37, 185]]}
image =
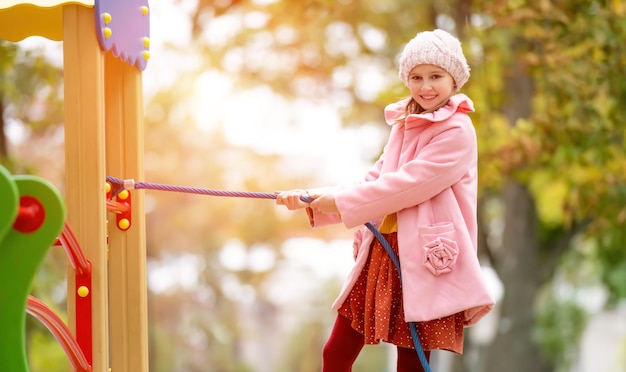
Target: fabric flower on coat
{"points": [[440, 255]]}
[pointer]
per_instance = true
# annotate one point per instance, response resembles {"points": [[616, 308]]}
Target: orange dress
{"points": [[375, 305]]}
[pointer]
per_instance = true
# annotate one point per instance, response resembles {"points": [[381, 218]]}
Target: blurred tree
{"points": [[560, 160], [31, 99]]}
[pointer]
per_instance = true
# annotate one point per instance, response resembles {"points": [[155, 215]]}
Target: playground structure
{"points": [[105, 49], [30, 221]]}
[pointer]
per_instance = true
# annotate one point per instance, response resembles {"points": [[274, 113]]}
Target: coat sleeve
{"points": [[443, 161], [322, 219]]}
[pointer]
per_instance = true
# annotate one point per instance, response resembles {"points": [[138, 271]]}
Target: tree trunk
{"points": [[513, 350]]}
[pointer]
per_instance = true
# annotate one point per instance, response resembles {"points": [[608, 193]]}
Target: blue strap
{"points": [[396, 262]]}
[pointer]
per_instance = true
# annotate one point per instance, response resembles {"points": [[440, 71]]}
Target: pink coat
{"points": [[428, 175]]}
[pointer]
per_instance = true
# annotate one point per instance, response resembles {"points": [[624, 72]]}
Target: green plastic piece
{"points": [[21, 253]]}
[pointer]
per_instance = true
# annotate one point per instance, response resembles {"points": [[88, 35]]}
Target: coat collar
{"points": [[458, 102]]}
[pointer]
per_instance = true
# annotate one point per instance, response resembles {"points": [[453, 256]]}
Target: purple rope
{"points": [[195, 190], [202, 191]]}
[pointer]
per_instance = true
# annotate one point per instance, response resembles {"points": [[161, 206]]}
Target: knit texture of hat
{"points": [[437, 48]]}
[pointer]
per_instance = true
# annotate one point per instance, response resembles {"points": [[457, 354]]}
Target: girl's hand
{"points": [[291, 199], [324, 203]]}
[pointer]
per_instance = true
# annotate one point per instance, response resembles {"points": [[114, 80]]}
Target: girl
{"points": [[421, 194]]}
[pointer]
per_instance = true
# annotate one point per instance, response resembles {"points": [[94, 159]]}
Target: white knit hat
{"points": [[437, 48]]}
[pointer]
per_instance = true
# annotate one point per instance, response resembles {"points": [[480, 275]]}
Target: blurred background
{"points": [[266, 95]]}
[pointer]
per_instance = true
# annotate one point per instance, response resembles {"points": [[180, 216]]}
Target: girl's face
{"points": [[430, 85]]}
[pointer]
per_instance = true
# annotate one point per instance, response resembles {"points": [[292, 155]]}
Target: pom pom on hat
{"points": [[437, 48]]}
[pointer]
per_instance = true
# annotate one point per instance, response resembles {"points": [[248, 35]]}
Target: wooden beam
{"points": [[84, 166], [127, 248]]}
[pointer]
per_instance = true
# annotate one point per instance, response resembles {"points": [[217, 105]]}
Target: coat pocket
{"points": [[440, 250]]}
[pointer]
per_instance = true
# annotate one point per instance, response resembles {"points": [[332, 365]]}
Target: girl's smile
{"points": [[430, 86]]}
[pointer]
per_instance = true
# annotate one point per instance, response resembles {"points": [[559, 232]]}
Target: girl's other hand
{"points": [[324, 203]]}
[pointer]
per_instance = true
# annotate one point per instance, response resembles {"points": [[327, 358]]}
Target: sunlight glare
{"points": [[375, 39], [256, 20], [220, 31], [174, 272], [261, 258], [15, 130], [211, 90], [233, 255]]}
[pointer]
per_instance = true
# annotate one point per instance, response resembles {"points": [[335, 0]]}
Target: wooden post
{"points": [[127, 248], [84, 165]]}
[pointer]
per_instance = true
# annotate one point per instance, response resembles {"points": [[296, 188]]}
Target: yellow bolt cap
{"points": [[82, 291]]}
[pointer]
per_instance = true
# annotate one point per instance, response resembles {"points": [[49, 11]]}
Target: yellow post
{"points": [[127, 249], [84, 165]]}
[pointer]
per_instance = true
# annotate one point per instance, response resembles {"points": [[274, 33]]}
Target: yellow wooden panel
{"points": [[127, 249], [45, 3], [84, 165], [21, 19]]}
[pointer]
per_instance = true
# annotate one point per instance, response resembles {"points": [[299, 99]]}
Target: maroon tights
{"points": [[345, 344]]}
